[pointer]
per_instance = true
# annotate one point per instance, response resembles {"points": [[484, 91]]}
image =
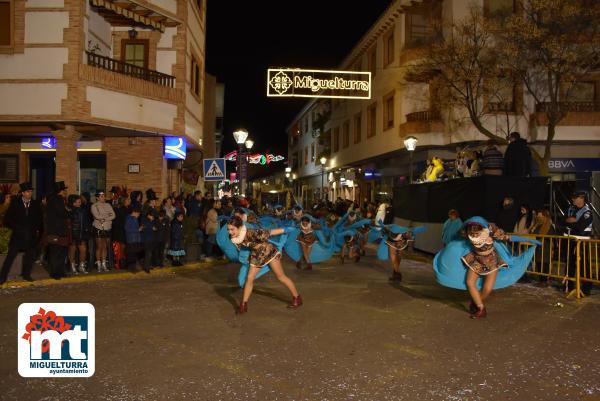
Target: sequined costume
{"points": [[484, 259]]}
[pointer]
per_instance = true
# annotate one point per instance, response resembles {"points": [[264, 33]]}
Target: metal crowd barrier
{"points": [[572, 260]]}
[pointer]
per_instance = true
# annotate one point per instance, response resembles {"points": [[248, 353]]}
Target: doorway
{"points": [[42, 171]]}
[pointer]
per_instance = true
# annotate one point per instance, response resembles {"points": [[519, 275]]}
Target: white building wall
{"points": [[130, 109], [196, 35], [97, 32], [165, 61], [32, 98], [45, 3], [192, 127], [166, 58], [167, 5], [34, 63], [45, 27]]}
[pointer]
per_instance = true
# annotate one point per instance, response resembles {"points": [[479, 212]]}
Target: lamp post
{"points": [[323, 161], [410, 143], [240, 136], [249, 143]]}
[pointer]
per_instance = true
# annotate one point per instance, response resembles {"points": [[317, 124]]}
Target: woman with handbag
{"points": [[103, 216]]}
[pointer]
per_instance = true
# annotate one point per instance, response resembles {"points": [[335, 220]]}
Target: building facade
{"points": [[364, 139], [92, 90]]}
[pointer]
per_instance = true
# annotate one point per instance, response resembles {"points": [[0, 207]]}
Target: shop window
{"points": [[388, 42], [9, 168], [579, 92], [357, 128], [372, 120], [195, 77], [135, 51], [346, 134], [7, 21], [420, 25], [504, 97], [388, 111]]}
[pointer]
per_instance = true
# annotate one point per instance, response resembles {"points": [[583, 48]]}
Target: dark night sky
{"points": [[244, 38]]}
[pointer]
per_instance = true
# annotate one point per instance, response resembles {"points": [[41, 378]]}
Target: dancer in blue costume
{"points": [[481, 261], [394, 241], [347, 235], [308, 243], [246, 215], [452, 227], [257, 254]]}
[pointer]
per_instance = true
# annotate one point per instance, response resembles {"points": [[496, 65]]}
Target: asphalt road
{"points": [[176, 337]]}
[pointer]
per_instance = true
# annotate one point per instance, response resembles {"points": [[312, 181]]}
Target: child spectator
{"points": [[163, 226], [133, 238], [176, 247], [149, 234]]}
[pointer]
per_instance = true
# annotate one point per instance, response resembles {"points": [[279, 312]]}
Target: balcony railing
{"points": [[570, 106], [427, 115], [131, 70]]}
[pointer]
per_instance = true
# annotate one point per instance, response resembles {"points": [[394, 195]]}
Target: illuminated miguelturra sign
{"points": [[291, 82]]}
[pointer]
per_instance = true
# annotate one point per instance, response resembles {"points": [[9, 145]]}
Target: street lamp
{"points": [[249, 143], [240, 136], [323, 162], [410, 143]]}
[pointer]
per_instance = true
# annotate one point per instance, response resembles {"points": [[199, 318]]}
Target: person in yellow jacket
{"points": [[437, 170]]}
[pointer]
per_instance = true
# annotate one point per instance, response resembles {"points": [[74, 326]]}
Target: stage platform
{"points": [[427, 204]]}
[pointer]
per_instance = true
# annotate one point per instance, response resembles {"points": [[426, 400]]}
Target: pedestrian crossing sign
{"points": [[214, 169]]}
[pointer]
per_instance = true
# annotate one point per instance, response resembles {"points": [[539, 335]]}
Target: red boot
{"points": [[396, 276], [473, 308], [296, 302], [243, 308], [308, 267], [479, 314], [299, 264]]}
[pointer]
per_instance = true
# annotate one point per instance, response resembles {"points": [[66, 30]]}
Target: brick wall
{"points": [[147, 152]]}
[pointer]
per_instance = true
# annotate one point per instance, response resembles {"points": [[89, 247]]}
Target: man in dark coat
{"points": [[507, 215], [57, 226], [24, 218], [517, 158]]}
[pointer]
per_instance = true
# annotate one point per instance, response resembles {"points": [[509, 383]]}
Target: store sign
{"points": [[293, 82], [175, 148], [574, 164]]}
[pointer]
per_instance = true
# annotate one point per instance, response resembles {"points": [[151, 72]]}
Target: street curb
{"points": [[125, 275]]}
